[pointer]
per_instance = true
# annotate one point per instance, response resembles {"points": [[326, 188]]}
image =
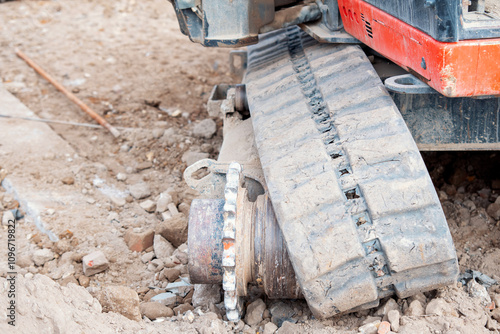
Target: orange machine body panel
{"points": [[464, 68]]}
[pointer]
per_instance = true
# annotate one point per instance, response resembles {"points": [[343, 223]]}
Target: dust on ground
{"points": [[129, 62]]}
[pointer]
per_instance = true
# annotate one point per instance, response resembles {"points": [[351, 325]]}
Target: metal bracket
{"points": [[330, 14], [321, 33], [220, 97], [212, 185], [408, 84], [234, 69]]}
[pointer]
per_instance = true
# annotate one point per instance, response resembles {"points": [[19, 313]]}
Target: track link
{"points": [[351, 193]]}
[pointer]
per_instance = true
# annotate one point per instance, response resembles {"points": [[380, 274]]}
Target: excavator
{"points": [[320, 191]]}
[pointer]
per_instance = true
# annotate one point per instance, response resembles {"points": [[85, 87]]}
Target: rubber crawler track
{"points": [[353, 199]]}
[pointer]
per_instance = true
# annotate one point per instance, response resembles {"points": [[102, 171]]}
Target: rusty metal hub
{"points": [[254, 252]]}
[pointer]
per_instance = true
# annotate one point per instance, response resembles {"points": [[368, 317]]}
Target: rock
{"points": [[172, 209], [140, 190], [146, 257], [191, 157], [420, 297], [450, 190], [442, 196], [495, 314], [118, 201], [239, 326], [393, 317], [171, 274], [370, 328], [169, 137], [415, 309], [157, 133], [62, 246], [270, 328], [84, 281], [94, 263], [174, 229], [206, 147], [8, 218], [69, 180], [148, 205], [144, 165], [158, 263], [458, 177], [153, 310], [484, 193], [163, 201], [40, 256], [491, 324], [184, 208], [371, 319], [121, 176], [125, 148], [205, 129], [254, 312], [162, 248], [68, 279], [171, 262], [470, 205], [181, 254], [478, 291], [165, 298], [173, 193], [494, 211], [496, 299], [388, 306], [289, 328], [165, 216], [120, 299], [439, 306], [384, 327], [139, 241], [189, 315], [23, 260], [206, 294], [281, 312], [183, 308], [150, 294]]}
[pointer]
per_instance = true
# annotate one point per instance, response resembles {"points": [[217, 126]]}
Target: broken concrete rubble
{"points": [[162, 248], [254, 312], [153, 310], [41, 256], [94, 263], [205, 128], [140, 190], [120, 299], [206, 294], [165, 298], [138, 240], [148, 205], [174, 229]]}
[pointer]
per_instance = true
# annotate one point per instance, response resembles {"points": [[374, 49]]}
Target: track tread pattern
{"points": [[351, 193]]}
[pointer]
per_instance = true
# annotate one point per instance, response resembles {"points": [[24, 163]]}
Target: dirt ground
{"points": [[128, 61]]}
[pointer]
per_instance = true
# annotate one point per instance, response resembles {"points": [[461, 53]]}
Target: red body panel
{"points": [[465, 68]]}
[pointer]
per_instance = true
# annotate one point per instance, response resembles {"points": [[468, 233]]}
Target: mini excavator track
{"points": [[357, 209]]}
